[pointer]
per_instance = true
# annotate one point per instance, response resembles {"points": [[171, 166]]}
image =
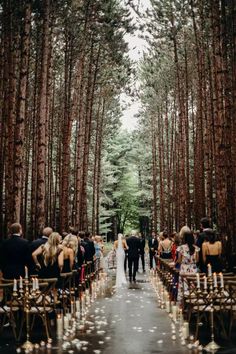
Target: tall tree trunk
{"points": [[21, 115], [154, 176], [42, 111]]}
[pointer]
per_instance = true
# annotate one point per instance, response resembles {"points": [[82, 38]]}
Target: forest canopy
{"points": [[65, 159]]}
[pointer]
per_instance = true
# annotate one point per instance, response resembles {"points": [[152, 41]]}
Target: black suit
{"points": [[34, 245], [153, 247], [142, 252], [133, 243], [37, 243], [89, 249], [199, 242], [15, 255]]}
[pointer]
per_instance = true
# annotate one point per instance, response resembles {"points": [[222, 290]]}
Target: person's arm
{"points": [[125, 245], [35, 255], [220, 248], [204, 252], [179, 259], [197, 256], [61, 260], [115, 245], [93, 248], [71, 258]]}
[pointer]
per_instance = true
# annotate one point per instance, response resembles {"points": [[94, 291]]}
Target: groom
{"points": [[133, 255]]}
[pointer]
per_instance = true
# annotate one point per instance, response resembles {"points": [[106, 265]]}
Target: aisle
{"points": [[130, 322]]}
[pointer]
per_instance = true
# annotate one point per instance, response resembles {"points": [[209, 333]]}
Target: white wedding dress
{"points": [[120, 260]]}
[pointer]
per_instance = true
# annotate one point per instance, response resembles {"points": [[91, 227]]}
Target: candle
{"points": [[21, 283], [26, 273], [198, 280], [167, 306], [68, 316], [77, 305], [205, 282], [66, 322], [15, 285], [215, 280], [59, 326], [180, 316], [72, 307], [185, 330], [174, 312], [36, 284], [209, 270], [33, 284], [221, 280]]}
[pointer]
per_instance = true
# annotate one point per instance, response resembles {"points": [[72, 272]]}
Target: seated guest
{"points": [[165, 247], [15, 254], [211, 251], [70, 249], [51, 257]]}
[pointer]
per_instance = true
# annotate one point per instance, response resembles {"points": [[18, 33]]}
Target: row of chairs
{"points": [[53, 296], [199, 301]]}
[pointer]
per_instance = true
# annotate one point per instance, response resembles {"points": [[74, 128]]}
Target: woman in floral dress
{"points": [[187, 258]]}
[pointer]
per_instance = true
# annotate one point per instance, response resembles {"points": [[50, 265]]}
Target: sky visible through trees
{"points": [[68, 67]]}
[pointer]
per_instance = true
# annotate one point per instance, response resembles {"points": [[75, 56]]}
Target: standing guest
{"points": [[15, 254], [165, 247], [37, 243], [187, 258], [133, 255], [98, 250], [52, 258], [79, 256], [142, 250], [205, 224], [70, 249], [211, 251], [175, 245], [80, 253], [102, 263], [42, 240], [153, 247], [89, 247], [183, 229]]}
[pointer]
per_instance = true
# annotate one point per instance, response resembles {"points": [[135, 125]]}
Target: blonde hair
{"points": [[50, 249], [184, 229], [71, 241], [97, 238]]}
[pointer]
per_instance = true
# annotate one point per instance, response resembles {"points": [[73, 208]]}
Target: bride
{"points": [[120, 246]]}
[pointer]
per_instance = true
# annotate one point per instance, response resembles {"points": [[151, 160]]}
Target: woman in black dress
{"points": [[70, 249], [165, 247], [211, 251], [49, 258]]}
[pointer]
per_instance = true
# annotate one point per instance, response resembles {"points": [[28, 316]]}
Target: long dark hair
{"points": [[188, 239], [210, 236]]}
